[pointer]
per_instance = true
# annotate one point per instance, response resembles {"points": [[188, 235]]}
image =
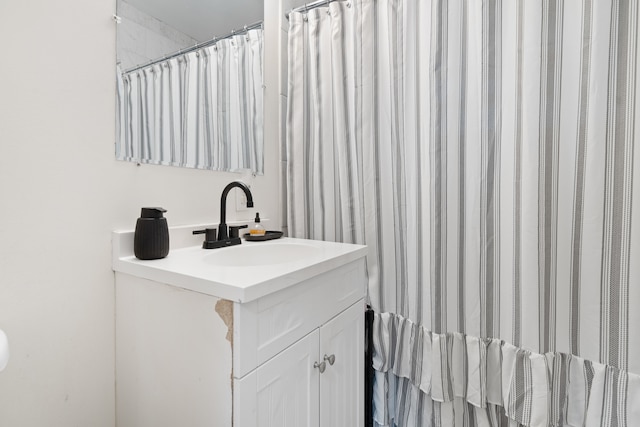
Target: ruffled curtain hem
{"points": [[454, 370]]}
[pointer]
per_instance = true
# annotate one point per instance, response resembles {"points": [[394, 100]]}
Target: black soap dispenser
{"points": [[151, 239]]}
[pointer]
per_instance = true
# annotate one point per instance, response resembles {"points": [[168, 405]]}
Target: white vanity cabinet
{"points": [[185, 357], [295, 330], [317, 381]]}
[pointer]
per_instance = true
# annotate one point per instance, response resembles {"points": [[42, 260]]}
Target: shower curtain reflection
{"points": [[199, 110]]}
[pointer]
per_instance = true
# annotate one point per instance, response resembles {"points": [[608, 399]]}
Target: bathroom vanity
{"points": [[260, 334]]}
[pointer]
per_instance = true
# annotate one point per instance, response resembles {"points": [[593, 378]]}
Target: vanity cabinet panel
{"points": [[288, 390], [288, 386], [342, 383], [173, 359], [264, 327]]}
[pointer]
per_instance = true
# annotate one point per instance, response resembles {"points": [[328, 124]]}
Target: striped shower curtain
{"points": [[199, 110], [484, 150]]}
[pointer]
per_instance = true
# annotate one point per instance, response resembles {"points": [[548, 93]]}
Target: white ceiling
{"points": [[203, 19]]}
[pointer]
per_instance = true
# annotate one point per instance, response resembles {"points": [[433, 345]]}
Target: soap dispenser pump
{"points": [[257, 229], [151, 238]]}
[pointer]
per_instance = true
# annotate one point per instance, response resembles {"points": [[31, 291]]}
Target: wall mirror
{"points": [[189, 83]]}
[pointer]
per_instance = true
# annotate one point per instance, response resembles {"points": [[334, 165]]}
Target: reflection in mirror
{"points": [[189, 84]]}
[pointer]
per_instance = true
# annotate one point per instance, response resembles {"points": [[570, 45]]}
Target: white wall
{"points": [[62, 193]]}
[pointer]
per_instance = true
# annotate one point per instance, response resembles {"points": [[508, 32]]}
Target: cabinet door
{"points": [[288, 386], [342, 384]]}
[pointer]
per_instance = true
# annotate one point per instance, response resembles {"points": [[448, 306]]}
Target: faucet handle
{"points": [[210, 233], [234, 230]]}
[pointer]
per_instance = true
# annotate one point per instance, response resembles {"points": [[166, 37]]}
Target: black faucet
{"points": [[222, 228], [223, 239]]}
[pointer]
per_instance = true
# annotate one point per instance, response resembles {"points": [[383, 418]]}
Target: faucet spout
{"points": [[222, 228]]}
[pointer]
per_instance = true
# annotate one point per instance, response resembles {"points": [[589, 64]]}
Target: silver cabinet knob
{"points": [[321, 366], [331, 359]]}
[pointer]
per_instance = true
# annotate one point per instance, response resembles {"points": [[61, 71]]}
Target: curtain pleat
{"points": [[199, 110], [484, 151]]}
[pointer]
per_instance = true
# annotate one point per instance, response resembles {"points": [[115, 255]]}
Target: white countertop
{"points": [[188, 267]]}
